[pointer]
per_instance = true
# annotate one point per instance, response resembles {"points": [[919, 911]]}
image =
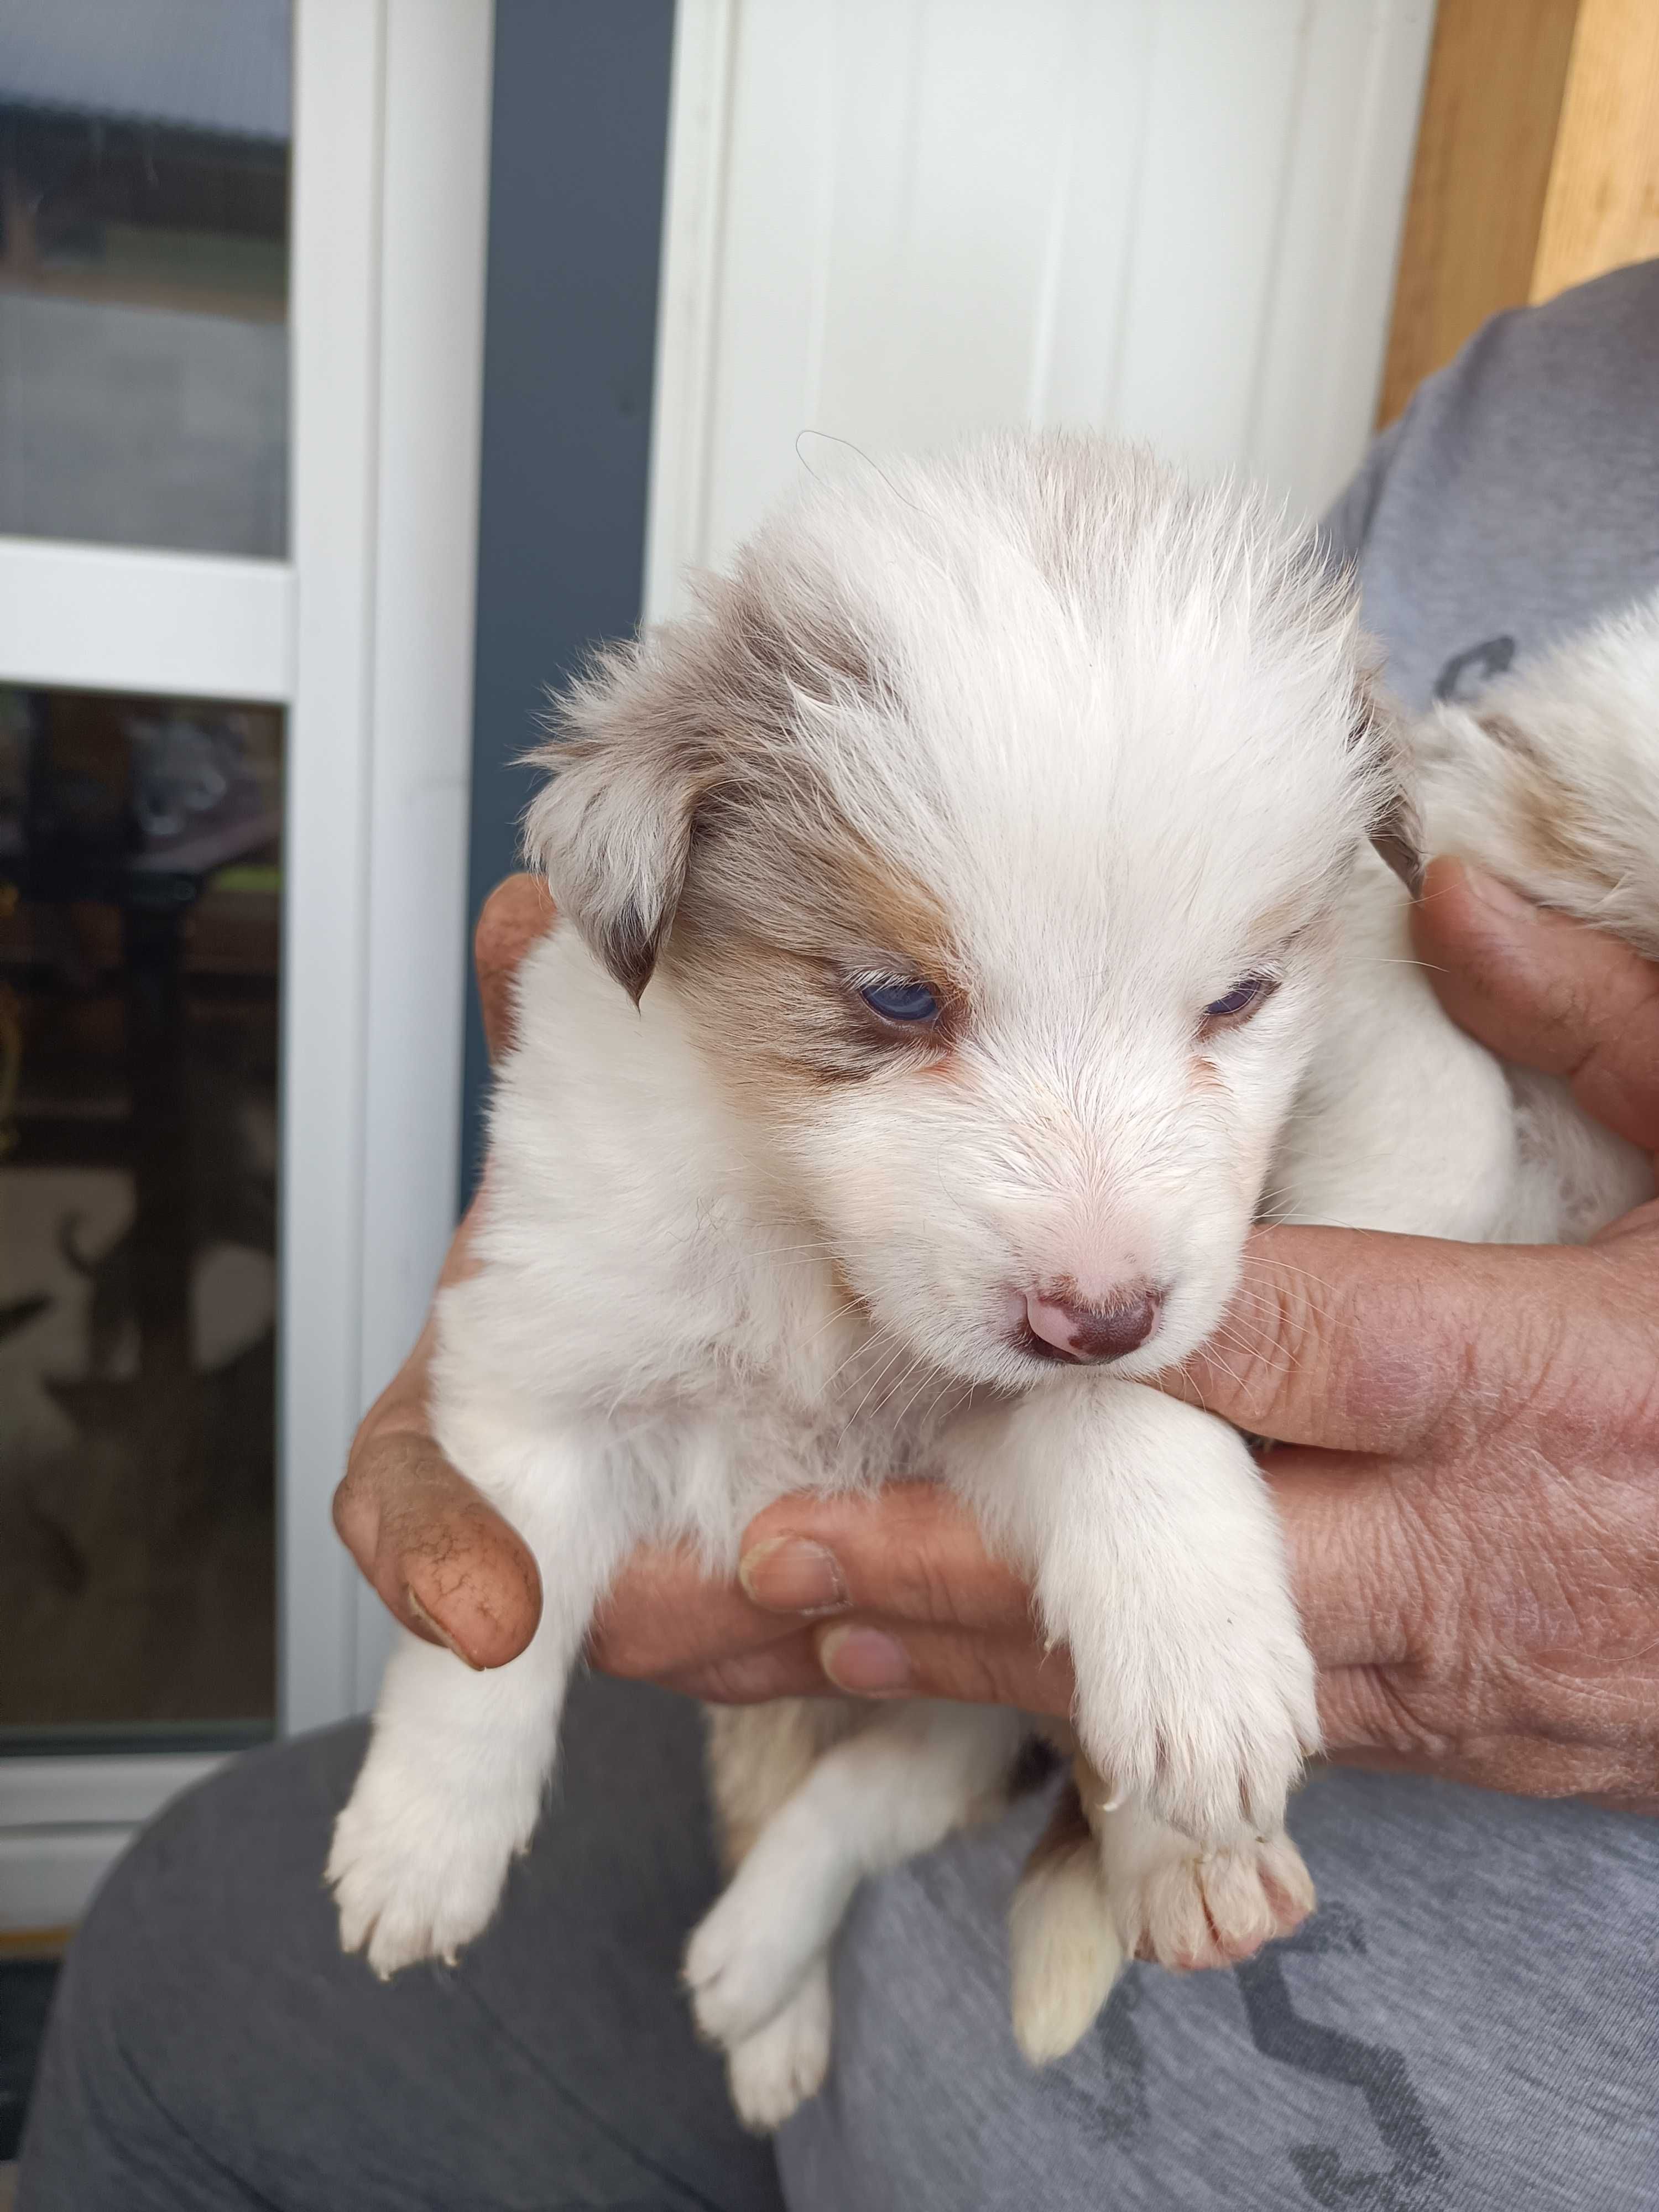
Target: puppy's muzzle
{"points": [[1058, 1328]]}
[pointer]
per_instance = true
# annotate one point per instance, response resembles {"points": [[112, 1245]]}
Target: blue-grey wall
{"points": [[579, 134]]}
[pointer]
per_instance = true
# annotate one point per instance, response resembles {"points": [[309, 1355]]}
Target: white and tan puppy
{"points": [[974, 925]]}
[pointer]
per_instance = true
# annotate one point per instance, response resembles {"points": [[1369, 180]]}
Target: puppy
{"points": [[972, 921]]}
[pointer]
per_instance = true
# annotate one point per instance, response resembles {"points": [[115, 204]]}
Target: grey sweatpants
{"points": [[1471, 2022]]}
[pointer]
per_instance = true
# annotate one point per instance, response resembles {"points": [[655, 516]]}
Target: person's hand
{"points": [[1470, 1491], [440, 1556], [1468, 1476]]}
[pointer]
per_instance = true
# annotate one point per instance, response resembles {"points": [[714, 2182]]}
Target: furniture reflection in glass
{"points": [[140, 936]]}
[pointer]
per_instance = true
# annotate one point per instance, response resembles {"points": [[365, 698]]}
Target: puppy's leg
{"points": [[457, 1761], [1064, 1948], [899, 1786], [758, 1757], [1157, 1559]]}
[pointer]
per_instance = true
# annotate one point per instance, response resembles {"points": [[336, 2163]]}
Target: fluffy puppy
{"points": [[973, 925]]}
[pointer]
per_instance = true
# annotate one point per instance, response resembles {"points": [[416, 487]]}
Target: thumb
{"points": [[1548, 992], [440, 1556]]}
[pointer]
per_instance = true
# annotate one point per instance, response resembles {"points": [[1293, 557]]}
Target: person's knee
{"points": [[158, 2003]]}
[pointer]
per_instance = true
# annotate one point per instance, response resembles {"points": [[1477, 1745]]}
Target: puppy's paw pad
{"points": [[776, 2070], [1190, 1908], [408, 1890]]}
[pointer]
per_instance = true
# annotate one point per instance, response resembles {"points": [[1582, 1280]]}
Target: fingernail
{"points": [[438, 1629], [792, 1574], [866, 1662], [1496, 895]]}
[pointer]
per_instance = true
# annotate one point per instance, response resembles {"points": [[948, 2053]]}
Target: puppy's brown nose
{"points": [[1061, 1329]]}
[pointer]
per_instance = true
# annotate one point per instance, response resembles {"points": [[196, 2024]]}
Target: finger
{"points": [[912, 1553], [441, 1558], [871, 1659], [787, 1669], [664, 1618], [1360, 1578], [516, 913], [1548, 992], [1357, 1341]]}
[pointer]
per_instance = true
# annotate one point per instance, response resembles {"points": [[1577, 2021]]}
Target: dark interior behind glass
{"points": [[140, 914]]}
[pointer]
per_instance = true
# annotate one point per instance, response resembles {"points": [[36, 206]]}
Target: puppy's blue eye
{"points": [[1242, 998], [900, 1002]]}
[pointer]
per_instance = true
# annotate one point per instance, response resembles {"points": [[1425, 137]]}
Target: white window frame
{"points": [[364, 636]]}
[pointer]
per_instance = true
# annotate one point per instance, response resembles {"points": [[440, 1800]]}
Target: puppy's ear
{"points": [[611, 828], [1396, 828]]}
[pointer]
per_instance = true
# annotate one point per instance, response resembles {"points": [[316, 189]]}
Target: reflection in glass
{"points": [[144, 272], [140, 900]]}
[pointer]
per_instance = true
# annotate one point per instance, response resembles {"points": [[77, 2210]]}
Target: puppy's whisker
{"points": [[1227, 1366], [824, 1327], [893, 1389], [1184, 1371], [880, 1375], [1265, 1347], [866, 1348]]}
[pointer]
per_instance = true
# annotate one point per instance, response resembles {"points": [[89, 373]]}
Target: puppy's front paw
{"points": [[783, 2064], [1209, 1732], [414, 1877], [1183, 1907], [1228, 1769]]}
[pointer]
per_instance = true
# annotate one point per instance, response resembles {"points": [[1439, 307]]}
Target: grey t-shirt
{"points": [[1518, 497]]}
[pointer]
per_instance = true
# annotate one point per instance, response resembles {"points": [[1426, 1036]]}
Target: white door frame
{"points": [[391, 132], [365, 635]]}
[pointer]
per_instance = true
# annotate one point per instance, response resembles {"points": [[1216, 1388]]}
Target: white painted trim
{"points": [[122, 1790], [391, 128], [334, 321], [688, 293], [109, 618], [1347, 170], [435, 221], [48, 1875], [63, 1822]]}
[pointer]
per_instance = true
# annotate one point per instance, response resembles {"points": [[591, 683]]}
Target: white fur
{"points": [[1064, 1953], [898, 1788], [1119, 736]]}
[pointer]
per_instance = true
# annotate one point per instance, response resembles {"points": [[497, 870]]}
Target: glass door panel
{"points": [[140, 911], [144, 272]]}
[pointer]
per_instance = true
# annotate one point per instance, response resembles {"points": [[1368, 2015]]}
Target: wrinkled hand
{"points": [[1468, 1469], [440, 1556]]}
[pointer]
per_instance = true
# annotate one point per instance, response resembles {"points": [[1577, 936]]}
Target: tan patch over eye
{"points": [[777, 908]]}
